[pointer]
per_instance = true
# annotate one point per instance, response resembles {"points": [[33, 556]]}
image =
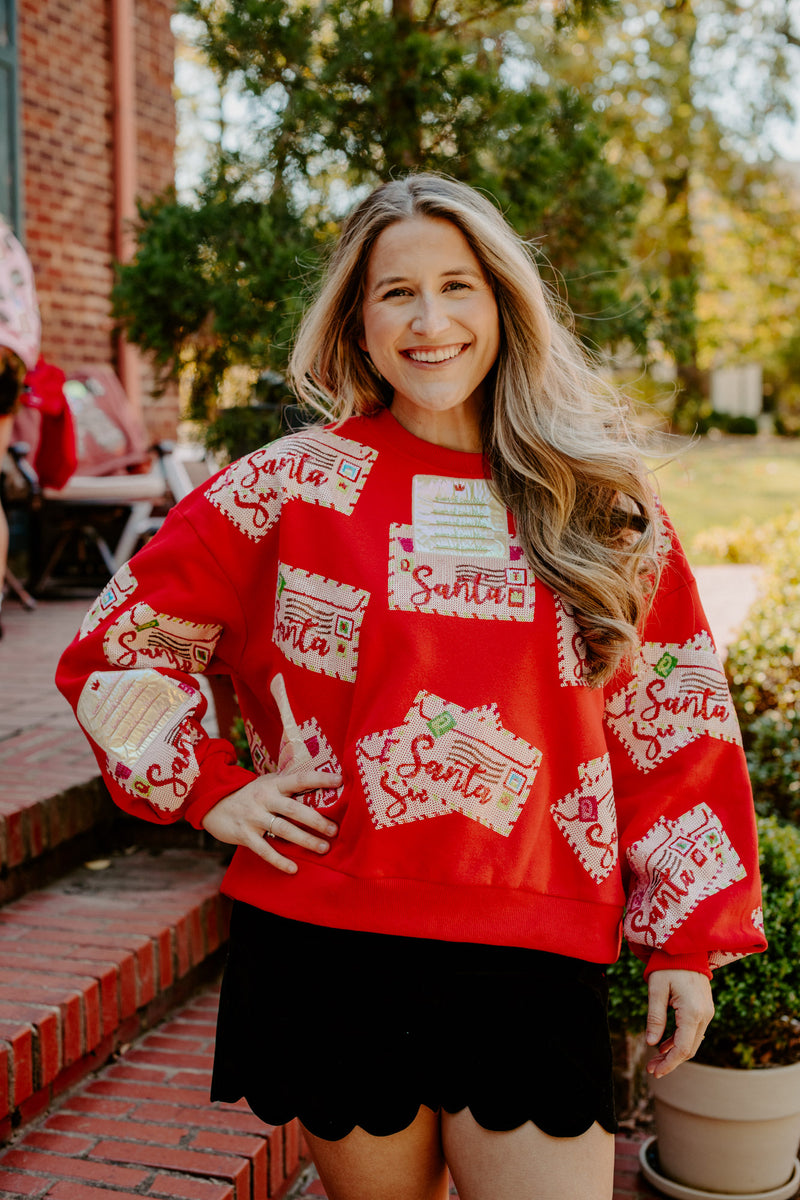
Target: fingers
{"points": [[265, 811], [657, 1006], [295, 783], [689, 994]]}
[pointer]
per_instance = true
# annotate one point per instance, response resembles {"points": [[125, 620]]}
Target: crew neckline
{"points": [[395, 437]]}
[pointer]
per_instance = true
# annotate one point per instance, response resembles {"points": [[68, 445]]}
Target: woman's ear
{"points": [[362, 343]]}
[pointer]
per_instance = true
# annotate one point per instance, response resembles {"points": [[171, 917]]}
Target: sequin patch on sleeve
{"points": [[458, 559], [679, 693], [676, 865], [446, 759], [318, 622], [117, 590], [318, 467], [142, 637], [143, 722], [588, 819], [571, 646]]}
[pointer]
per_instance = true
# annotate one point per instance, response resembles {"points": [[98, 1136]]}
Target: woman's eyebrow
{"points": [[389, 280]]}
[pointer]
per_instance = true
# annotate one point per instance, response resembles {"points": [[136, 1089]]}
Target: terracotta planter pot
{"points": [[728, 1131]]}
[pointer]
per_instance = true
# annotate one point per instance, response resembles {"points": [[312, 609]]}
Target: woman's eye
{"points": [[398, 291], [455, 285]]}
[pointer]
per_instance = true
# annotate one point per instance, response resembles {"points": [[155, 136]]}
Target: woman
{"points": [[478, 712]]}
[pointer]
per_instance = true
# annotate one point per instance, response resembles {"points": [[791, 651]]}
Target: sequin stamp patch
{"points": [[141, 637], [676, 866], [318, 467], [457, 558], [458, 516], [118, 589], [143, 721], [588, 819], [318, 622], [679, 693], [445, 759]]}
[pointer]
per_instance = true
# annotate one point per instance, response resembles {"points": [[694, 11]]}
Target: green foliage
{"points": [[745, 542], [773, 759], [757, 999], [212, 285], [764, 662], [241, 428], [737, 425], [345, 94]]}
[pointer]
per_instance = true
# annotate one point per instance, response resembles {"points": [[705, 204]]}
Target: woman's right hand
{"points": [[265, 811]]}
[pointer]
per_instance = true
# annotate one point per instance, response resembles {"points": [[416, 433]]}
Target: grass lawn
{"points": [[719, 481]]}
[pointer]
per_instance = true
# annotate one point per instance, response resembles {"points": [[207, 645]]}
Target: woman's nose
{"points": [[430, 317]]}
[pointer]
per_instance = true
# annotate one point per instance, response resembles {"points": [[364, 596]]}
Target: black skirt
{"points": [[343, 1028]]}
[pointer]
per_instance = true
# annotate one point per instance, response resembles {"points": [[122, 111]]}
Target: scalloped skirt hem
{"points": [[371, 1027]]}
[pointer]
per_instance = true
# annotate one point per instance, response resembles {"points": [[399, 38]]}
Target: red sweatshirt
{"points": [[369, 598]]}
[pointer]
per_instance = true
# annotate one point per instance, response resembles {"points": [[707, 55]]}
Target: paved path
{"points": [[728, 591]]}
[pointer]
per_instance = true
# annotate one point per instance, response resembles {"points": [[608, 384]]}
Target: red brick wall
{"points": [[66, 118]]}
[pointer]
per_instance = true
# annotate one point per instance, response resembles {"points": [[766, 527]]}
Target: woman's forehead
{"points": [[420, 238]]}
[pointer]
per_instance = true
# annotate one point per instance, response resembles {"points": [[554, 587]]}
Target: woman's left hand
{"points": [[689, 994]]}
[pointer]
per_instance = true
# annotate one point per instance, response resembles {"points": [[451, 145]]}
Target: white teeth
{"points": [[435, 356]]}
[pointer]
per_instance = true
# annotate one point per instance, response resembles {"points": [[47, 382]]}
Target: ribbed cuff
{"points": [[660, 961]]}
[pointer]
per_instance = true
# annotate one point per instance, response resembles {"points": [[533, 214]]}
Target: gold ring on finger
{"points": [[268, 833]]}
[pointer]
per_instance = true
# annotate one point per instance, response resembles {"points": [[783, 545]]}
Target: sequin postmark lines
{"points": [[457, 558], [319, 468], [446, 759], [318, 622], [141, 637], [679, 693]]}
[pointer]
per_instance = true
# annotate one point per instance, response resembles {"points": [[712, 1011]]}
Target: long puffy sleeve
{"points": [[131, 674], [687, 834]]}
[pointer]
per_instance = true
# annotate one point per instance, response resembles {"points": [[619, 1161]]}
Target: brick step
{"points": [[54, 810], [143, 1126], [50, 792], [89, 962]]}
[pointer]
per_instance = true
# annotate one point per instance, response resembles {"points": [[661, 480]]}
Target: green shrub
{"points": [[726, 422], [773, 759], [757, 1000], [744, 542], [763, 664]]}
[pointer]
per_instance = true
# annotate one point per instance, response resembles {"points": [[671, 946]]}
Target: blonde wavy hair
{"points": [[556, 437]]}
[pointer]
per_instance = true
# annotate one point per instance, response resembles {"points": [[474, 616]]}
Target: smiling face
{"points": [[431, 328]]}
